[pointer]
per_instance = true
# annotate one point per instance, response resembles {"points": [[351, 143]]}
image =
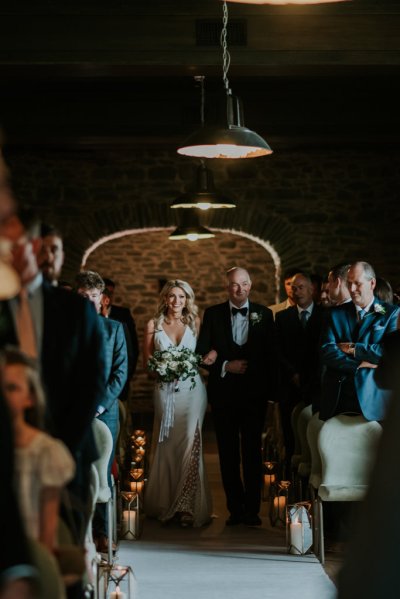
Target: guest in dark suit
{"points": [[352, 347], [240, 383], [90, 285], [298, 335], [124, 315]]}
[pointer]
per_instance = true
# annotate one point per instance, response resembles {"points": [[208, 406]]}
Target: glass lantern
{"points": [[299, 531], [279, 503]]}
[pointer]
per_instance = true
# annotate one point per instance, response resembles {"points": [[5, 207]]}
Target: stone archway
{"points": [[139, 259]]}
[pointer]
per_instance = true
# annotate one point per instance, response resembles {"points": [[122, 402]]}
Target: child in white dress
{"points": [[43, 465]]}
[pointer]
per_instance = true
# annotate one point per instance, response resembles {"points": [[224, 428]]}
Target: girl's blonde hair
{"points": [[13, 356], [189, 312]]}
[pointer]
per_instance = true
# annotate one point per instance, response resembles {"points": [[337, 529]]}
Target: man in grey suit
{"points": [[89, 284], [352, 345]]}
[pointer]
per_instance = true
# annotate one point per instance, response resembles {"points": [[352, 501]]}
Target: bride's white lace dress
{"points": [[177, 481]]}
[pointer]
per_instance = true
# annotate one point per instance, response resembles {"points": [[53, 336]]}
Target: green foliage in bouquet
{"points": [[174, 364]]}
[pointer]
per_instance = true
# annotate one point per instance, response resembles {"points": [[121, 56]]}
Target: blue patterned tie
{"points": [[361, 314]]}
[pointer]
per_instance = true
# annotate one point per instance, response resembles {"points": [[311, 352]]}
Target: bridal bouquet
{"points": [[174, 364]]}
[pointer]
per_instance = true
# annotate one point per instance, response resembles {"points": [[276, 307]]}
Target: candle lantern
{"points": [[269, 478], [130, 522], [299, 528], [119, 583], [279, 502]]}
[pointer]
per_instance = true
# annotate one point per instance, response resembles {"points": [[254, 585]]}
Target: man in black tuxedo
{"points": [[298, 334], [240, 383]]}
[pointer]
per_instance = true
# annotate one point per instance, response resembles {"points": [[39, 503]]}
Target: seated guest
{"points": [[43, 465], [352, 345], [90, 285]]}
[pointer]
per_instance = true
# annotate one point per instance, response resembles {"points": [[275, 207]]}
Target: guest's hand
{"points": [[347, 347], [365, 364], [236, 366], [209, 358]]}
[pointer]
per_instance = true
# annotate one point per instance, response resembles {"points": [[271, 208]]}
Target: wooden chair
{"points": [[347, 446], [104, 444]]}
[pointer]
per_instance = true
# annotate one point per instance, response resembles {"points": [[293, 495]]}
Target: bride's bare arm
{"points": [[148, 342]]}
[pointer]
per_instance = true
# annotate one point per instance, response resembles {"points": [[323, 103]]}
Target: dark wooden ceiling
{"points": [[97, 73]]}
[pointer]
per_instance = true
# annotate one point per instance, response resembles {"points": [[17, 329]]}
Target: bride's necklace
{"points": [[173, 319]]}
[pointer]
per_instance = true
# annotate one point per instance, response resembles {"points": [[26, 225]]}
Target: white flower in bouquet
{"points": [[174, 364]]}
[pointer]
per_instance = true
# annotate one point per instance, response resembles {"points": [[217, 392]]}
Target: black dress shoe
{"points": [[252, 520], [234, 519]]}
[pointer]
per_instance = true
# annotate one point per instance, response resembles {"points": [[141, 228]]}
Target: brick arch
{"points": [[258, 222], [139, 259]]}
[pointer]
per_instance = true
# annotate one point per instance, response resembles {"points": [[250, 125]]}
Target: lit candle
{"points": [[296, 538], [280, 503], [117, 594], [269, 479], [137, 486], [128, 524]]}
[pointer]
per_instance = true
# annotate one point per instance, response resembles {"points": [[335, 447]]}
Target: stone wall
{"points": [[314, 208]]}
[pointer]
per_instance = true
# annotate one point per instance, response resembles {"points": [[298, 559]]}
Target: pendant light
{"points": [[204, 196], [190, 228], [232, 140]]}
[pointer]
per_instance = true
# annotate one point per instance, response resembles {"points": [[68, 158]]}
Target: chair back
{"points": [[304, 418], [104, 443], [347, 446], [313, 428], [293, 421]]}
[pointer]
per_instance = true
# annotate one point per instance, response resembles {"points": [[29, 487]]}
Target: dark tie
{"points": [[303, 318], [243, 311]]}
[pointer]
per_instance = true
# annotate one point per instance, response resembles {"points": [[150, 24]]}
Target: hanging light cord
{"points": [[200, 81], [226, 57]]}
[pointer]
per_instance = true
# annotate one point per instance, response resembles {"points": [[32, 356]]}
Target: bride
{"points": [[177, 486]]}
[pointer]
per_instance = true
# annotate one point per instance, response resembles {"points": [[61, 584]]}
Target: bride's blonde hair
{"points": [[190, 310]]}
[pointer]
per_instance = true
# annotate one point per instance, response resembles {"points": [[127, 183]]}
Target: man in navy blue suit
{"points": [[89, 284], [352, 346]]}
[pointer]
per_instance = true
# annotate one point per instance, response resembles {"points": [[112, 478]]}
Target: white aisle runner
{"points": [[218, 562]]}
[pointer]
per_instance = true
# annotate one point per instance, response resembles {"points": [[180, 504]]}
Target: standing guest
{"points": [[90, 285], [43, 465], [124, 315], [51, 254], [325, 299], [241, 382], [177, 486], [352, 346], [337, 284], [298, 334], [383, 291], [287, 281]]}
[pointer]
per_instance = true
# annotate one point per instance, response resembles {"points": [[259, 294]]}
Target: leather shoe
{"points": [[234, 519], [252, 520]]}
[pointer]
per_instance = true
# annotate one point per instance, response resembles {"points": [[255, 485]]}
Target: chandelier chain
{"points": [[226, 57]]}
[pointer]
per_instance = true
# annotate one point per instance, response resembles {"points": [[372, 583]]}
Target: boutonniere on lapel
{"points": [[379, 309], [255, 317]]}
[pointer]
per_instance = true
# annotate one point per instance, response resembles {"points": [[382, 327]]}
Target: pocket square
{"points": [[378, 327]]}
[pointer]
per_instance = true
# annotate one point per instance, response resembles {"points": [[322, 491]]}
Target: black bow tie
{"points": [[243, 311]]}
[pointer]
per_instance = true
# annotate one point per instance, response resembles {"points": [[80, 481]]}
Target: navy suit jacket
{"points": [[260, 377], [368, 336], [71, 362], [299, 350]]}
